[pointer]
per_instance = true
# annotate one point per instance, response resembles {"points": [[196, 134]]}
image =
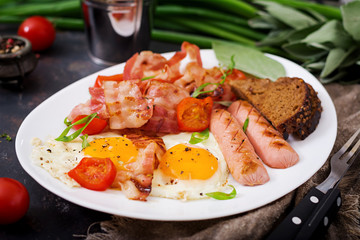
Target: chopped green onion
{"points": [[246, 123], [67, 122], [197, 137], [86, 120], [85, 143], [147, 78], [222, 195], [198, 91], [224, 103]]}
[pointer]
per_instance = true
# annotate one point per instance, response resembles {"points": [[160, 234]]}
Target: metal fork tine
{"points": [[346, 145], [352, 152], [340, 165]]}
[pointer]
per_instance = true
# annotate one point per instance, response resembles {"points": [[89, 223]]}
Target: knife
{"points": [[316, 210]]}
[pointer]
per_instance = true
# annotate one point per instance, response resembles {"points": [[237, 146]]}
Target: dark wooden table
{"points": [[49, 216]]}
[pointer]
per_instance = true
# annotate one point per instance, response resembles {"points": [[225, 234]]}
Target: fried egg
{"points": [[187, 171], [58, 158], [184, 172]]}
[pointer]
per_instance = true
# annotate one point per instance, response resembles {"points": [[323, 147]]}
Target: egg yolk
{"points": [[119, 149], [184, 162]]}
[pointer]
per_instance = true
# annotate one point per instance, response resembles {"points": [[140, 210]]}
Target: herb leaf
{"points": [[223, 196], [198, 91], [351, 20], [147, 78], [289, 16], [249, 60], [197, 137], [246, 123]]}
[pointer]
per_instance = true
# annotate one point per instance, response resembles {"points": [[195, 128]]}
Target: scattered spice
{"points": [[10, 45]]}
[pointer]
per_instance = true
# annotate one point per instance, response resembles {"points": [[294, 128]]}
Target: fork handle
{"points": [[291, 225], [323, 215]]}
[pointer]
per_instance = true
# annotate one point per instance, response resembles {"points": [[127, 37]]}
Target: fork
{"points": [[316, 210]]}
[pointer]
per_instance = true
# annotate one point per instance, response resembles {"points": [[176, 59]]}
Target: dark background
{"points": [[66, 61]]}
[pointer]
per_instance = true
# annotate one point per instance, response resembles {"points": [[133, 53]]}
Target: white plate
{"points": [[47, 120]]}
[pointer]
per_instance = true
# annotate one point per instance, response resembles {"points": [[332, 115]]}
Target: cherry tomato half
{"points": [[94, 173], [14, 200], [39, 31], [96, 126], [193, 115]]}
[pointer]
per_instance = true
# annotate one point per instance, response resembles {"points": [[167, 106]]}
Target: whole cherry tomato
{"points": [[14, 200], [96, 126], [39, 31]]}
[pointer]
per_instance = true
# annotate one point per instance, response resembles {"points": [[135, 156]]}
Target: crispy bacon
{"points": [[136, 181], [166, 96], [126, 106]]}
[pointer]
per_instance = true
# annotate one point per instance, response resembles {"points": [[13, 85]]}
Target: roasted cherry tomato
{"points": [[94, 173], [96, 126], [14, 200], [193, 115], [236, 75], [39, 31], [100, 79]]}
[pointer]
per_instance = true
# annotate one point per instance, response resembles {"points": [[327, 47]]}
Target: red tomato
{"points": [[94, 173], [14, 200], [101, 78], [39, 31], [96, 126], [193, 115], [236, 75]]}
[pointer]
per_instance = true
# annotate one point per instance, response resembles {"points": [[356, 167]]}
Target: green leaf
{"points": [[315, 66], [223, 196], [299, 35], [351, 18], [333, 78], [246, 123], [248, 60], [276, 37], [197, 137], [266, 21], [288, 15], [304, 51], [331, 32], [318, 16], [334, 59]]}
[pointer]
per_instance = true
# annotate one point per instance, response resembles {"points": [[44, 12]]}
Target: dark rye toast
{"points": [[290, 104]]}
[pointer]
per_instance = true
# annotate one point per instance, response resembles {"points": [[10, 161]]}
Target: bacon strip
{"points": [[166, 96], [126, 105], [136, 181]]}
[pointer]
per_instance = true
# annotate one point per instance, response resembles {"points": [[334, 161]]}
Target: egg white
{"points": [[58, 158], [166, 187]]}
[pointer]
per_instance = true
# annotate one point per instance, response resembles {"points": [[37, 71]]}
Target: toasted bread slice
{"points": [[290, 104]]}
